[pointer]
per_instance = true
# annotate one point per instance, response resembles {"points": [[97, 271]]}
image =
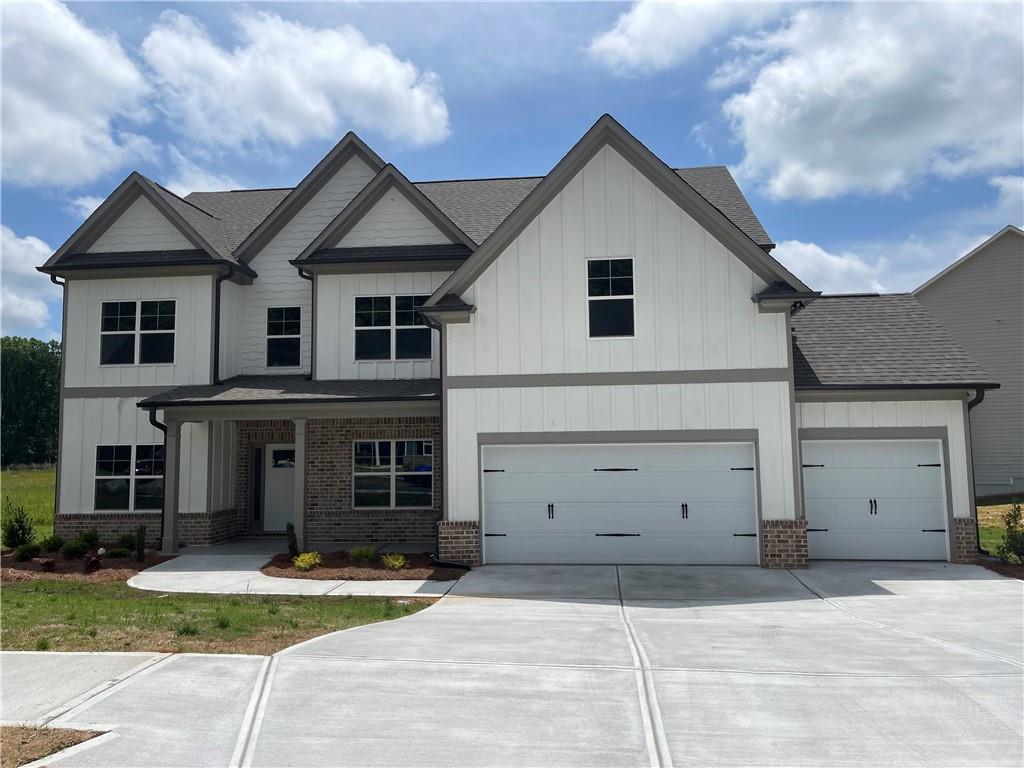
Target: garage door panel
{"points": [[871, 453], [585, 458], [709, 549], [903, 544], [620, 486], [857, 482], [592, 518]]}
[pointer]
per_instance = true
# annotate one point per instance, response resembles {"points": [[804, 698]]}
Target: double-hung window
{"points": [[129, 477], [610, 297], [391, 328], [140, 331], [284, 337], [392, 473]]}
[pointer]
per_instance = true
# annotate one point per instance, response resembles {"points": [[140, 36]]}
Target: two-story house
{"points": [[604, 364]]}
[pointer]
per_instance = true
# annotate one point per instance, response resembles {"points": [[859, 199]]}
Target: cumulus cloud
{"points": [[25, 294], [83, 206], [286, 82], [190, 177], [830, 272], [70, 98]]}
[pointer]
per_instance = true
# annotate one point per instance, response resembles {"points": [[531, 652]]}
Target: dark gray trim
{"points": [[875, 387], [176, 269], [969, 448], [619, 436], [171, 405], [306, 275], [798, 475], [364, 267], [711, 376], [879, 395], [390, 253], [315, 410], [60, 397], [137, 390]]}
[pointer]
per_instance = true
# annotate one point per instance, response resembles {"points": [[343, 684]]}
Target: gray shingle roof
{"points": [[876, 341], [716, 185]]}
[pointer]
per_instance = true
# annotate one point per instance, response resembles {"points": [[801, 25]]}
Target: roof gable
{"points": [[141, 227], [1008, 231]]}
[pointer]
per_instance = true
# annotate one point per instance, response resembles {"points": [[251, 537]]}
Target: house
{"points": [[604, 364], [980, 300]]}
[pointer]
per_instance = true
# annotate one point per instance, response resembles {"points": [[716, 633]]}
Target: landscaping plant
{"points": [[126, 542], [74, 549], [293, 541], [26, 552], [16, 526], [362, 554], [117, 552], [1011, 548], [52, 543], [307, 561], [90, 538], [393, 561], [92, 563]]}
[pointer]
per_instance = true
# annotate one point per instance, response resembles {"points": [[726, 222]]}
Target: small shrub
{"points": [[126, 541], [16, 527], [90, 538], [92, 563], [1011, 548], [307, 561], [117, 552], [47, 564], [74, 549], [222, 622], [91, 632], [293, 541], [42, 644], [140, 543], [187, 629], [394, 561], [361, 554], [26, 552], [51, 543]]}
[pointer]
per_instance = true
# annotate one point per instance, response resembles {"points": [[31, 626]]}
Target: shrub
{"points": [[293, 541], [1011, 548], [47, 564], [74, 549], [92, 563], [52, 543], [16, 527], [26, 552], [140, 543], [361, 554], [126, 541], [90, 538], [42, 644], [222, 622], [307, 561], [394, 561], [188, 629], [117, 552]]}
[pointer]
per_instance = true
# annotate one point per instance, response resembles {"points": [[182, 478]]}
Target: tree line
{"points": [[29, 400]]}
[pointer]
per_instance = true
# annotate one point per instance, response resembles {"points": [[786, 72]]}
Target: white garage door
{"points": [[654, 503], [875, 499]]}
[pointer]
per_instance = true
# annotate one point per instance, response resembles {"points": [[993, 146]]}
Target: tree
{"points": [[29, 400]]}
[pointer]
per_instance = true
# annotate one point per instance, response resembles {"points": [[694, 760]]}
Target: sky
{"points": [[876, 142]]}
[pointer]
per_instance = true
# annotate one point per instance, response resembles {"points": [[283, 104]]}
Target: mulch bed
{"points": [[111, 569], [1012, 570], [337, 565]]}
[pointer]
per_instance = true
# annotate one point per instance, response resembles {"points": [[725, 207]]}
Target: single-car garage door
{"points": [[875, 499], [651, 503]]}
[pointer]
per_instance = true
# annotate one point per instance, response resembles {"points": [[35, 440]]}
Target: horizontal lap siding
{"points": [[393, 220], [141, 228]]}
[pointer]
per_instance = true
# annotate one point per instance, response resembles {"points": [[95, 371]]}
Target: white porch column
{"points": [[299, 502], [172, 468]]}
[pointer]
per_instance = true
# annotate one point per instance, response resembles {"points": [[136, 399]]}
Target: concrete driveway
{"points": [[842, 664]]}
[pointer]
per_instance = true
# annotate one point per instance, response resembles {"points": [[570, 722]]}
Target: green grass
{"points": [[991, 537], [91, 616], [34, 488]]}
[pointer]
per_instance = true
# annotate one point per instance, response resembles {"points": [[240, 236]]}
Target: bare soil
{"points": [[111, 569], [21, 745], [1012, 570], [338, 565]]}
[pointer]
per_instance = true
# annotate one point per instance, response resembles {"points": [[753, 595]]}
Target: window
{"points": [[392, 473], [610, 297], [284, 337], [390, 328], [137, 330], [129, 477]]}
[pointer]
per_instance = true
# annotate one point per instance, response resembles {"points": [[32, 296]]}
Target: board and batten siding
{"points": [[141, 228], [192, 331], [335, 335], [393, 220], [88, 422], [902, 413], [222, 465], [278, 283], [693, 305], [981, 303], [231, 303]]}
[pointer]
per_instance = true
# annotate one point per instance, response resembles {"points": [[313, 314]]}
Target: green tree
{"points": [[29, 400]]}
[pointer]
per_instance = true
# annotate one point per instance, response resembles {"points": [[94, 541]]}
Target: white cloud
{"points": [[189, 177], [25, 293], [286, 82], [655, 36], [1009, 207], [83, 206], [67, 93], [830, 272]]}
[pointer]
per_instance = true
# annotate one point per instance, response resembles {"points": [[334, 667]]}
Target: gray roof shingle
{"points": [[874, 341]]}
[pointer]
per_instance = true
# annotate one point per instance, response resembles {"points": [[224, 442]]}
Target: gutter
{"points": [[979, 396], [162, 428], [216, 322]]}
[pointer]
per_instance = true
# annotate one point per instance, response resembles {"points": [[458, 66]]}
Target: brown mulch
{"points": [[115, 569], [1011, 570], [20, 745], [337, 565]]}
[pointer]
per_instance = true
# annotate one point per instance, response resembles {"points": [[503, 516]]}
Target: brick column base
{"points": [[783, 543], [459, 541], [965, 540]]}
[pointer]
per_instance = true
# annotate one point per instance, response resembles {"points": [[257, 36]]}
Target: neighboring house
{"points": [[601, 365], [980, 300]]}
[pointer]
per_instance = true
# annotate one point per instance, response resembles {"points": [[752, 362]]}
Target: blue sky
{"points": [[877, 143]]}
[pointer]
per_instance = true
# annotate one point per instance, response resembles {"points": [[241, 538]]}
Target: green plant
{"points": [[91, 632], [307, 561], [293, 541], [394, 561], [74, 549], [187, 629], [16, 527], [42, 644], [27, 552], [222, 622], [126, 541], [363, 554], [90, 538], [52, 543], [140, 543], [1011, 548], [117, 552]]}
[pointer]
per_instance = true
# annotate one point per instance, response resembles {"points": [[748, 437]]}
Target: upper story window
{"points": [[129, 477], [284, 337], [610, 297], [140, 331], [390, 328]]}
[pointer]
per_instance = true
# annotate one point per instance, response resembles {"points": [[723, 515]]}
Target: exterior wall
{"points": [[247, 435], [981, 303], [279, 284], [222, 465], [141, 228], [232, 299], [905, 413], [192, 333], [783, 544], [393, 220], [335, 335]]}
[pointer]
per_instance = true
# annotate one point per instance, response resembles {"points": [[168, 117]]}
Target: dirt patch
{"points": [[111, 569], [1011, 570], [20, 745], [338, 566], [992, 514]]}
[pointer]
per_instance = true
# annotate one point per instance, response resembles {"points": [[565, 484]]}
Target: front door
{"points": [[278, 485]]}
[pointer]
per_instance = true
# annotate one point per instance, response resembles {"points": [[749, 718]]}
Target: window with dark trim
{"points": [[392, 473], [391, 328], [140, 331], [284, 337], [610, 297], [129, 477]]}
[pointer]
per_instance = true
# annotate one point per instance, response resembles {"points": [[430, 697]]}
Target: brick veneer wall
{"points": [[459, 541], [109, 525], [965, 540], [248, 434], [207, 527], [784, 543]]}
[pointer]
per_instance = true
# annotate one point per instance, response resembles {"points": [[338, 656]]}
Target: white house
{"points": [[604, 364]]}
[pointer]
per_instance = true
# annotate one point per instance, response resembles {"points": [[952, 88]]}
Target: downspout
{"points": [[979, 395], [60, 388], [162, 428], [312, 322], [216, 329]]}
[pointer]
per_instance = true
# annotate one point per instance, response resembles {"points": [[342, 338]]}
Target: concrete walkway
{"points": [[234, 569]]}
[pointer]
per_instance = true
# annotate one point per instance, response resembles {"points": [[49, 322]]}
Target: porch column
{"points": [[299, 501], [172, 465]]}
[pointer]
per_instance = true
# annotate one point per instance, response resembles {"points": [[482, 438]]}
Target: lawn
{"points": [[33, 488], [990, 522], [81, 616]]}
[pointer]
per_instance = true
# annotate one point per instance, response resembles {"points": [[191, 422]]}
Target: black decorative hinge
{"points": [[617, 535], [746, 535], [933, 530], [494, 470], [741, 469], [812, 530], [616, 469], [494, 534], [808, 466], [929, 465]]}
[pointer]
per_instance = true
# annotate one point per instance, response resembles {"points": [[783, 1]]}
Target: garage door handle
{"points": [[616, 469], [746, 535], [685, 509], [933, 530], [617, 534], [872, 507], [551, 511]]}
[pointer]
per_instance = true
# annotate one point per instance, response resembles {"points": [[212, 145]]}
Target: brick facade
{"points": [[459, 541], [109, 525], [784, 543], [249, 434], [965, 540]]}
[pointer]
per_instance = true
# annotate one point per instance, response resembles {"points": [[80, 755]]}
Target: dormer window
{"points": [[284, 337], [610, 297], [390, 328]]}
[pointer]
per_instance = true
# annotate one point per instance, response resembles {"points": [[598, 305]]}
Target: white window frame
{"points": [[392, 472], [137, 333], [268, 337], [631, 296], [393, 328], [131, 477]]}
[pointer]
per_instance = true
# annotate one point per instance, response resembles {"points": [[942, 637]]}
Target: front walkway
{"points": [[234, 569]]}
